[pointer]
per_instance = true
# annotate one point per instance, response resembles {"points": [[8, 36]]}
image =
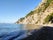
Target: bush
{"points": [[30, 13], [49, 18], [47, 3], [21, 19]]}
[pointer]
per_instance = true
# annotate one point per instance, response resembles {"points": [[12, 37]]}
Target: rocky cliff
{"points": [[43, 14]]}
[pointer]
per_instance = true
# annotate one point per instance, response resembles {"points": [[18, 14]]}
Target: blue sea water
{"points": [[12, 31], [10, 27]]}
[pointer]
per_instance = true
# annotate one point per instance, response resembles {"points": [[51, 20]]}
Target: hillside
{"points": [[43, 14]]}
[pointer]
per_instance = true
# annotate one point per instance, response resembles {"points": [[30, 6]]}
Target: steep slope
{"points": [[43, 14]]}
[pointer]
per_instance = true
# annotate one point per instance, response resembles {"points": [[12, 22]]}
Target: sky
{"points": [[12, 10]]}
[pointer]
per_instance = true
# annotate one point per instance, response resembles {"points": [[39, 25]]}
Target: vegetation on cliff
{"points": [[29, 14], [21, 19], [40, 8], [47, 3], [40, 12], [49, 18]]}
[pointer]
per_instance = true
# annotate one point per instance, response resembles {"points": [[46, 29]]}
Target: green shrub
{"points": [[48, 3], [49, 18], [39, 10], [21, 19], [32, 12]]}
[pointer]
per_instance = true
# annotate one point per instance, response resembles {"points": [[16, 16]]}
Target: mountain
{"points": [[43, 14]]}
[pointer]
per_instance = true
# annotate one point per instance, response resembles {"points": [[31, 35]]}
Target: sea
{"points": [[20, 31], [12, 31]]}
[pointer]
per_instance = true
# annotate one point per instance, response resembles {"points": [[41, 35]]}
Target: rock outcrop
{"points": [[43, 14]]}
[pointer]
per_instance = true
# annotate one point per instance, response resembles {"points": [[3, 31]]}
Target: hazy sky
{"points": [[12, 10]]}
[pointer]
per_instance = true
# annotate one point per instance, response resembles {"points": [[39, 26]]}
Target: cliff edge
{"points": [[43, 14]]}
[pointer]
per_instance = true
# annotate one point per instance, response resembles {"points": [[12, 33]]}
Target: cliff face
{"points": [[43, 14]]}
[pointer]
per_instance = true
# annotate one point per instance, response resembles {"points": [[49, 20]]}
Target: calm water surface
{"points": [[7, 28], [16, 31]]}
